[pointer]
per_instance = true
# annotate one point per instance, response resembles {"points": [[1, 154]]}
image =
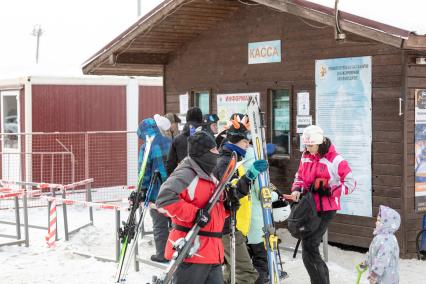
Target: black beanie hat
{"points": [[194, 114], [200, 143]]}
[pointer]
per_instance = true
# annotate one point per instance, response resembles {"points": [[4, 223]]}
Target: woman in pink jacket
{"points": [[327, 175]]}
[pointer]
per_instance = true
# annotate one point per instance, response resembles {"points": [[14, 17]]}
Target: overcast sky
{"points": [[76, 29]]}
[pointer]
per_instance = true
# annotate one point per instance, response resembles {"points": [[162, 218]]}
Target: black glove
{"points": [[322, 190], [142, 196], [327, 191], [232, 201], [137, 197], [202, 217]]}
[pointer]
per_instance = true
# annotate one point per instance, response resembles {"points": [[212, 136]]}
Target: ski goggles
{"points": [[245, 135], [211, 118]]}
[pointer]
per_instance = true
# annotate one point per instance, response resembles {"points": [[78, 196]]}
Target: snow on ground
{"points": [[39, 264]]}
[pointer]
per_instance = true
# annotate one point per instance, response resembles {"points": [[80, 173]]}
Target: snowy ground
{"points": [[39, 264]]}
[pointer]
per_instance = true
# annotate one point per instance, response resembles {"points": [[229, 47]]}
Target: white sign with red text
{"points": [[228, 104]]}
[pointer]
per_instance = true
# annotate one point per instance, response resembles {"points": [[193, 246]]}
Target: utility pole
{"points": [[37, 32], [139, 8]]}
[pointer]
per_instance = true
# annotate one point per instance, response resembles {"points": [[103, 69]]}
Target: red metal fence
{"points": [[109, 157]]}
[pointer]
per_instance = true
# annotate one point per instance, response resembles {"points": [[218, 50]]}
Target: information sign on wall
{"points": [[420, 150], [343, 111], [183, 103], [228, 104], [303, 103]]}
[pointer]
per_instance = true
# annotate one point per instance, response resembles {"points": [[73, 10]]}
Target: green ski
{"points": [[130, 228]]}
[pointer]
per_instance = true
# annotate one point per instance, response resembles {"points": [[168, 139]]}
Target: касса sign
{"points": [[264, 52]]}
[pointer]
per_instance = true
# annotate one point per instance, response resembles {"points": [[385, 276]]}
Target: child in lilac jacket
{"points": [[383, 255]]}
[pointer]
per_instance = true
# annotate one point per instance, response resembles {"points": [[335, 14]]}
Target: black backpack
{"points": [[303, 219]]}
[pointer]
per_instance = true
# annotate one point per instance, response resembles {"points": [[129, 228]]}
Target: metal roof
{"points": [[144, 48]]}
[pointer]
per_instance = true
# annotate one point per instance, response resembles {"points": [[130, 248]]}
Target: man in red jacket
{"points": [[183, 198]]}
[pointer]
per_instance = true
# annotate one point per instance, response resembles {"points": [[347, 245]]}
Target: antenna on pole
{"points": [[37, 32], [339, 33]]}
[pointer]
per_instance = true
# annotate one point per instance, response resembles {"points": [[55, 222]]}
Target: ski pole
{"points": [[360, 268], [136, 229], [281, 262], [232, 235]]}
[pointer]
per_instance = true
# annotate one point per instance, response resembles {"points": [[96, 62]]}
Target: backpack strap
{"points": [[200, 233], [296, 248]]}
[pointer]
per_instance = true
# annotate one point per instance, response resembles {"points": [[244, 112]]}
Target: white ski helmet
{"points": [[312, 135], [162, 122], [281, 214]]}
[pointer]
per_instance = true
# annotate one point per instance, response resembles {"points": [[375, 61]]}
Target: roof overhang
{"points": [[145, 47], [348, 22]]}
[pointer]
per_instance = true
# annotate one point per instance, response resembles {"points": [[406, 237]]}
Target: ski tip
{"points": [[251, 100], [234, 155]]}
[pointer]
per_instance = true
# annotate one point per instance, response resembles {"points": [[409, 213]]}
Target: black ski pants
{"points": [[259, 258], [196, 273], [314, 264]]}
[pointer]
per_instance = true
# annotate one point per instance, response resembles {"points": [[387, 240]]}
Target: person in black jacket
{"points": [[237, 141], [179, 148]]}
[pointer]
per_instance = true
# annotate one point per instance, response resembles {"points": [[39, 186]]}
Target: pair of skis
{"points": [[184, 247], [259, 144], [131, 229]]}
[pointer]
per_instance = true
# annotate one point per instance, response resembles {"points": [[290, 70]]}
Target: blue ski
{"points": [[259, 144]]}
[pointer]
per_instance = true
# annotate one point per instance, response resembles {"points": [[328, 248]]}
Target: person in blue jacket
{"points": [[156, 162], [255, 236]]}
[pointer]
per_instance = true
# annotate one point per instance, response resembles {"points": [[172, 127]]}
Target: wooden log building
{"points": [[200, 47]]}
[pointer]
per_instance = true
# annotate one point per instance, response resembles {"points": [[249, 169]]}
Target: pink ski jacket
{"points": [[331, 167]]}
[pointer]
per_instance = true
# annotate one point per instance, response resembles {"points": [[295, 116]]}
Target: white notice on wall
{"points": [[183, 103], [343, 111], [303, 121], [227, 104], [303, 103]]}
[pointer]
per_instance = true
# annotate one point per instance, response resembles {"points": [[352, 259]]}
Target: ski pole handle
{"points": [[360, 268]]}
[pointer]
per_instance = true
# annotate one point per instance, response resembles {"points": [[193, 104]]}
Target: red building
{"points": [[84, 111]]}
